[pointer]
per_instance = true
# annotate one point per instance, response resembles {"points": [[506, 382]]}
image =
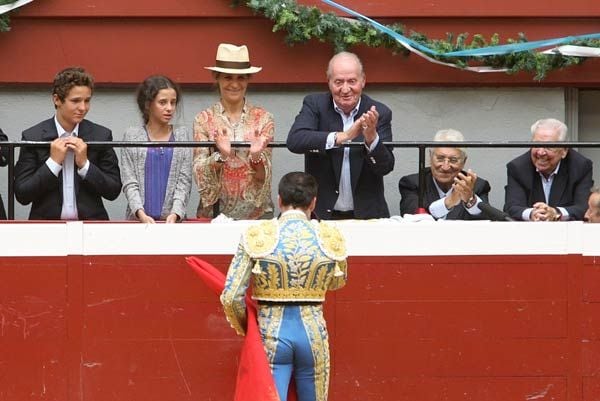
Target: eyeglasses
{"points": [[451, 160], [549, 150]]}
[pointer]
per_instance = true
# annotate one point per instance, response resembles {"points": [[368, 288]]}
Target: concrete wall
{"points": [[589, 126], [487, 114]]}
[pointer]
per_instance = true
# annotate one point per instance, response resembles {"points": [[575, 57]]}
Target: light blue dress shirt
{"points": [[345, 200]]}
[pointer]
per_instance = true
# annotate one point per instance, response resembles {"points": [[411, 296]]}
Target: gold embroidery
{"points": [[338, 281], [256, 268], [331, 241], [316, 330], [297, 269], [269, 319], [236, 283], [293, 260], [260, 240]]}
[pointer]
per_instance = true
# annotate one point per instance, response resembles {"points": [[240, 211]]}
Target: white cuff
{"points": [[53, 166], [84, 170]]}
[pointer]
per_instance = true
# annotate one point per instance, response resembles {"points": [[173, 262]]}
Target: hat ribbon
{"points": [[233, 64]]}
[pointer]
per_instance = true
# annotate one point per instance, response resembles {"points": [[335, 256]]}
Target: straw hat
{"points": [[233, 59]]}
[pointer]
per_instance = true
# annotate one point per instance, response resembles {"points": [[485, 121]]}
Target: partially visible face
{"points": [[446, 163], [163, 107], [592, 215], [232, 87], [346, 83], [73, 109], [545, 160]]}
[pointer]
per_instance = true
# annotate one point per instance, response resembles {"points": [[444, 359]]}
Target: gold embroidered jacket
{"points": [[290, 260]]}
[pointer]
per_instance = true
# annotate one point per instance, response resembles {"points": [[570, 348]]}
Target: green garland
{"points": [[303, 23], [4, 18]]}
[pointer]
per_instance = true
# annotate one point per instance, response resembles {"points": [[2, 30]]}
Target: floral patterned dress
{"points": [[233, 184]]}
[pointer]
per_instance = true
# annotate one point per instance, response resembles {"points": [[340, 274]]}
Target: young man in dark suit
{"points": [[548, 183], [350, 178], [67, 181]]}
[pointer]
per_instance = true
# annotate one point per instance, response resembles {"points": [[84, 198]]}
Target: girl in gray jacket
{"points": [[157, 180]]}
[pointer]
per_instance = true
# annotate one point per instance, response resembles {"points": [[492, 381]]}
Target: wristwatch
{"points": [[471, 202]]}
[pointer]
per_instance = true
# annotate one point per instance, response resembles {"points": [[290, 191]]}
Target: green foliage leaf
{"points": [[4, 23], [303, 23]]}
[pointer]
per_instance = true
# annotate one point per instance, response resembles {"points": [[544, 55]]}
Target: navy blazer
{"points": [[3, 162], [409, 192], [570, 188], [36, 184], [316, 120]]}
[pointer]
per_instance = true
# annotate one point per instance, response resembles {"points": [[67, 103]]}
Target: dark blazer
{"points": [[36, 184], [316, 120], [570, 188], [3, 162], [409, 192]]}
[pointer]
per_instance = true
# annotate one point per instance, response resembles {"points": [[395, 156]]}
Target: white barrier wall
{"points": [[382, 237]]}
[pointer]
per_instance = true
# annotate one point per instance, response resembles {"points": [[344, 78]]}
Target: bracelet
{"points": [[219, 158], [260, 159]]}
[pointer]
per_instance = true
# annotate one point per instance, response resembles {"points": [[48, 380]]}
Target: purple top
{"points": [[156, 176]]}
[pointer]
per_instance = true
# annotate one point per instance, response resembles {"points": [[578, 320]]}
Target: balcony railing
{"points": [[420, 145]]}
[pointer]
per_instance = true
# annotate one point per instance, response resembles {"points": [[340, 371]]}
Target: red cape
{"points": [[254, 379]]}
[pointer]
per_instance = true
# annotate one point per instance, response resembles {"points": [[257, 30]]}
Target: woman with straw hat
{"points": [[233, 181]]}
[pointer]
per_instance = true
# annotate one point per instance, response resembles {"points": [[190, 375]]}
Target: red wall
{"points": [[121, 42], [491, 328]]}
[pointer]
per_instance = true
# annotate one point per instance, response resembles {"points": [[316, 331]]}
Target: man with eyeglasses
{"points": [[592, 215], [451, 193], [548, 183]]}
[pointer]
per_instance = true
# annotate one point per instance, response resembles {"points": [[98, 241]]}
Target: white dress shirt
{"points": [[69, 206], [546, 186], [345, 200]]}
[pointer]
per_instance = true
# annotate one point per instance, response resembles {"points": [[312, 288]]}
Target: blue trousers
{"points": [[296, 342]]}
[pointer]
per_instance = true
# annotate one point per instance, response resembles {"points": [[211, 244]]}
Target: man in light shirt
{"points": [[548, 183], [350, 178], [67, 181], [450, 193]]}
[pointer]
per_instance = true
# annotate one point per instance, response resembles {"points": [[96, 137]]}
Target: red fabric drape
{"points": [[254, 379]]}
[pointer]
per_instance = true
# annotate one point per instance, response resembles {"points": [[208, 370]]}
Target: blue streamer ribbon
{"points": [[13, 5], [483, 51]]}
